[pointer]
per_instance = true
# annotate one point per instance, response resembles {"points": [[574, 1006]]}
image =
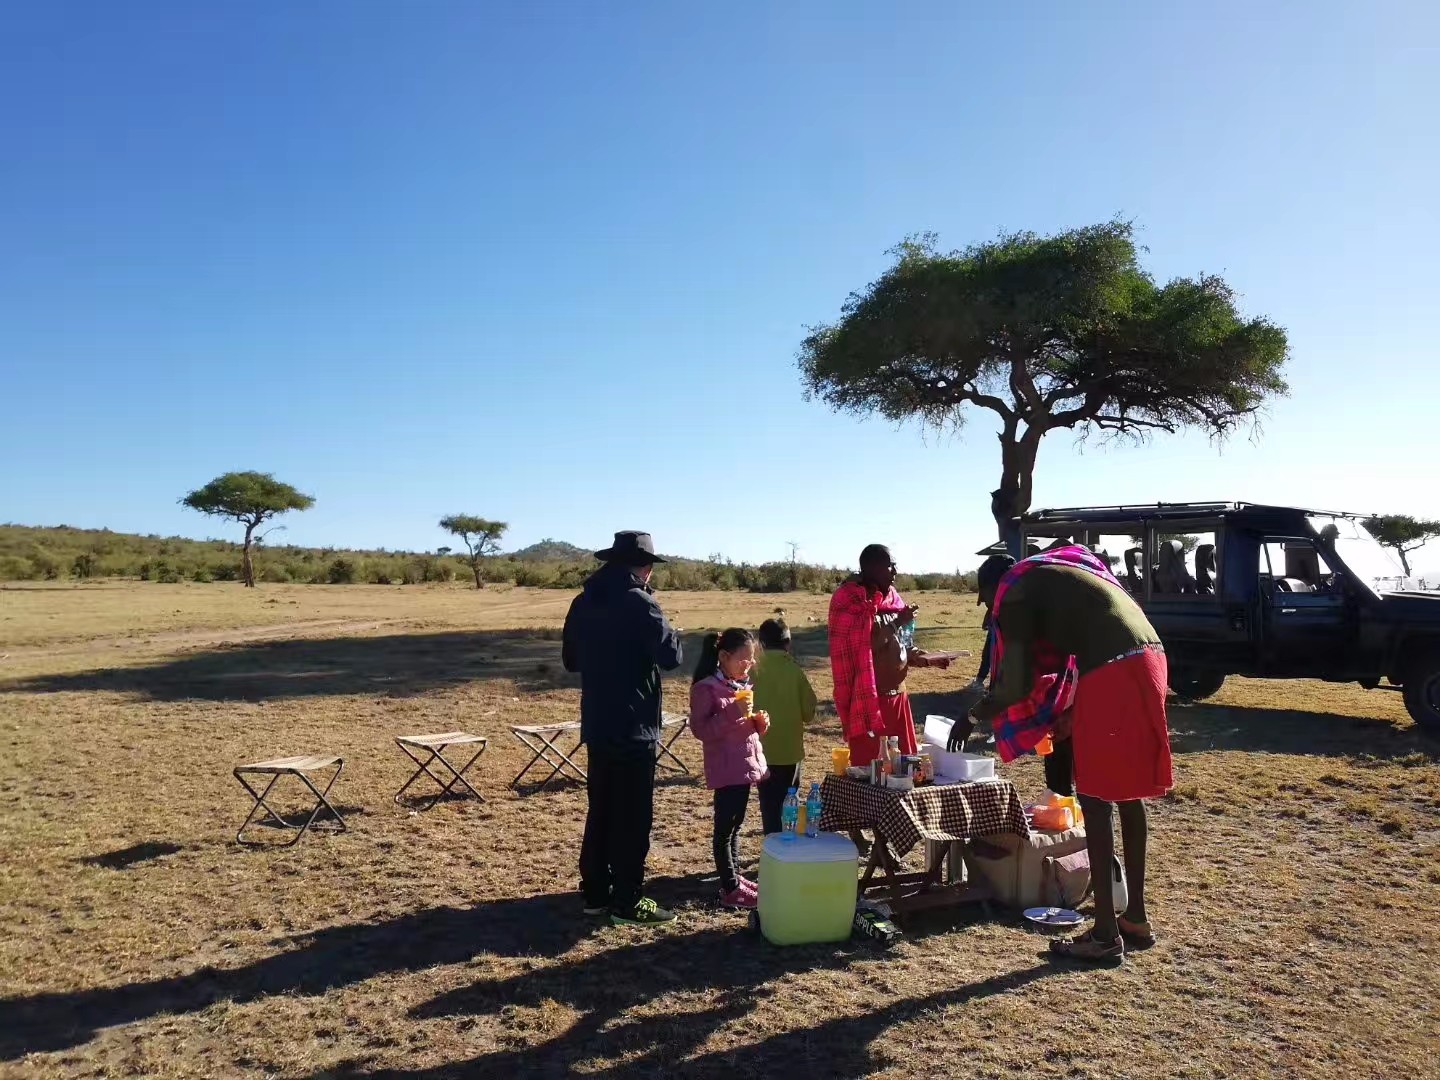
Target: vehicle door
{"points": [[1307, 627], [1193, 600]]}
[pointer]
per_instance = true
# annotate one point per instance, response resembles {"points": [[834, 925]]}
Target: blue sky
{"points": [[550, 263]]}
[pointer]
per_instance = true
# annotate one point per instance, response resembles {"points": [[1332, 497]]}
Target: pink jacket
{"points": [[732, 745]]}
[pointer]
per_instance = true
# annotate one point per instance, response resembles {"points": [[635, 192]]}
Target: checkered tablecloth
{"points": [[934, 812]]}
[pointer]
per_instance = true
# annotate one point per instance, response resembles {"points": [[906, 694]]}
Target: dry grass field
{"points": [[1296, 872]]}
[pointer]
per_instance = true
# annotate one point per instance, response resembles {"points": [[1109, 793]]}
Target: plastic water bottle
{"points": [[812, 811], [907, 635], [789, 814]]}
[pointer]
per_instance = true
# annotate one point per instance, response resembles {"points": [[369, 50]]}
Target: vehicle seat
{"points": [[1133, 581], [1173, 576], [1205, 570]]}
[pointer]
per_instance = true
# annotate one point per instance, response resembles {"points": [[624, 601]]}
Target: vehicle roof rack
{"points": [[1177, 509]]}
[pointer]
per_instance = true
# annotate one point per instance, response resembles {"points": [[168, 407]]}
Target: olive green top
{"points": [[1075, 613], [783, 691]]}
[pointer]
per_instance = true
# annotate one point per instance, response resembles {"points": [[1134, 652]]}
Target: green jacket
{"points": [[783, 691]]}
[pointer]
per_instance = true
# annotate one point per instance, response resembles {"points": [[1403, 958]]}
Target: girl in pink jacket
{"points": [[722, 719]]}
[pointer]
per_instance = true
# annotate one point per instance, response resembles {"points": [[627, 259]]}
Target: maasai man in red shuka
{"points": [[1072, 649], [870, 662]]}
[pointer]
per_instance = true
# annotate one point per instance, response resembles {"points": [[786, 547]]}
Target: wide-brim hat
{"points": [[991, 571], [632, 548]]}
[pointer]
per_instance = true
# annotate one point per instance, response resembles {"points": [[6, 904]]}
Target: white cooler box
{"points": [[958, 766]]}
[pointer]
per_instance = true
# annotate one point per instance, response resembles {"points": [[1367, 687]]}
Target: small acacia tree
{"points": [[480, 536], [1403, 533], [251, 498], [1046, 332]]}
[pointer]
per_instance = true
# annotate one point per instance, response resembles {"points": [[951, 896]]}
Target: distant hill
{"points": [[552, 551]]}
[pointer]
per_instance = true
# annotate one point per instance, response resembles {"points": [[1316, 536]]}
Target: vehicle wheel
{"points": [[1422, 694], [1196, 684]]}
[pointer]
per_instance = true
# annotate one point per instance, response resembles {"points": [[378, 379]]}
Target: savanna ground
{"points": [[1296, 872]]}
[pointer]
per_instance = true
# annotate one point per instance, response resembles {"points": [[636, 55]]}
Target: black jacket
{"points": [[618, 639]]}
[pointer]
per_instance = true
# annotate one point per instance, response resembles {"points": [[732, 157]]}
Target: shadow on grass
{"points": [[1198, 728], [394, 665], [547, 925], [133, 855], [733, 973]]}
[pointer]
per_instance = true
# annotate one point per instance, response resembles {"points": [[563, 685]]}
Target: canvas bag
{"points": [[1066, 881]]}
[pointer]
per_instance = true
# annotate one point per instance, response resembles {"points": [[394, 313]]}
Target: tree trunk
{"points": [[1012, 498], [475, 569], [1404, 560], [247, 568]]}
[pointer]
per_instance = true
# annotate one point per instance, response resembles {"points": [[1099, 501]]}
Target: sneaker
{"points": [[738, 897], [644, 913], [752, 887], [590, 910]]}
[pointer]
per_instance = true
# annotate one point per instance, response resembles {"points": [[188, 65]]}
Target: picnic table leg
{"points": [[459, 775], [667, 751], [422, 769], [437, 754], [542, 753], [563, 762], [260, 803], [322, 801]]}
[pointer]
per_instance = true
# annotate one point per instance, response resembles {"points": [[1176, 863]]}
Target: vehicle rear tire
{"points": [[1422, 694], [1195, 684]]}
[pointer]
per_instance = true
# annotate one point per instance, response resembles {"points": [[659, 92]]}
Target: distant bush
{"points": [[341, 572], [47, 553]]}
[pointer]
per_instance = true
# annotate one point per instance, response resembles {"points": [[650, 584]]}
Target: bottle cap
{"points": [[793, 790]]}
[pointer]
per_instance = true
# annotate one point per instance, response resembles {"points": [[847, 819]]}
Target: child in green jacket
{"points": [[782, 691]]}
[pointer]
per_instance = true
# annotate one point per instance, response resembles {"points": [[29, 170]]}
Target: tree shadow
{"points": [[546, 925], [394, 665], [124, 858], [603, 988]]}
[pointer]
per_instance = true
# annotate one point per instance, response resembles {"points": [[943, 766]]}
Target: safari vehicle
{"points": [[1275, 592]]}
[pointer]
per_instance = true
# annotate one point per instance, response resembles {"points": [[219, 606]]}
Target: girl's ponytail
{"points": [[709, 662], [735, 638]]}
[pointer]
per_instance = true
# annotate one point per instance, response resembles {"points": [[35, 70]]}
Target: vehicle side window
{"points": [[1186, 563], [1126, 559], [1295, 567]]}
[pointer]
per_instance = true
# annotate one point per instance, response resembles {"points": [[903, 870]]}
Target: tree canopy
{"points": [[1047, 332], [480, 536], [1405, 534], [250, 498]]}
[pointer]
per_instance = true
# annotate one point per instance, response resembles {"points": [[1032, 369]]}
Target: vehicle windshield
{"points": [[1375, 567]]}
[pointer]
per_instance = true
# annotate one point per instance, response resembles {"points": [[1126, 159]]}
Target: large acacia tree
{"points": [[251, 498], [1405, 534], [1046, 332], [481, 537]]}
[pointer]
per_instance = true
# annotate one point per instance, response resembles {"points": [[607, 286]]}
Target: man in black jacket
{"points": [[618, 639]]}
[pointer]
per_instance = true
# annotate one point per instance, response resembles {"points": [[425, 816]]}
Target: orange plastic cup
{"points": [[839, 760], [1045, 747]]}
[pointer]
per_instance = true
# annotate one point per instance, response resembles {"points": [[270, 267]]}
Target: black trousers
{"points": [[621, 796], [730, 805], [1060, 768], [773, 790]]}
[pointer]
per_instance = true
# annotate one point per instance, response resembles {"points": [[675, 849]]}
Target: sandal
{"points": [[1089, 948], [1137, 935]]}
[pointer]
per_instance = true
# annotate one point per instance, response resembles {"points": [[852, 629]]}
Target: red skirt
{"points": [[1120, 739], [898, 721]]}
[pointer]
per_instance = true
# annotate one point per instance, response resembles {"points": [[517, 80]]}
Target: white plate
{"points": [[1054, 916]]}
